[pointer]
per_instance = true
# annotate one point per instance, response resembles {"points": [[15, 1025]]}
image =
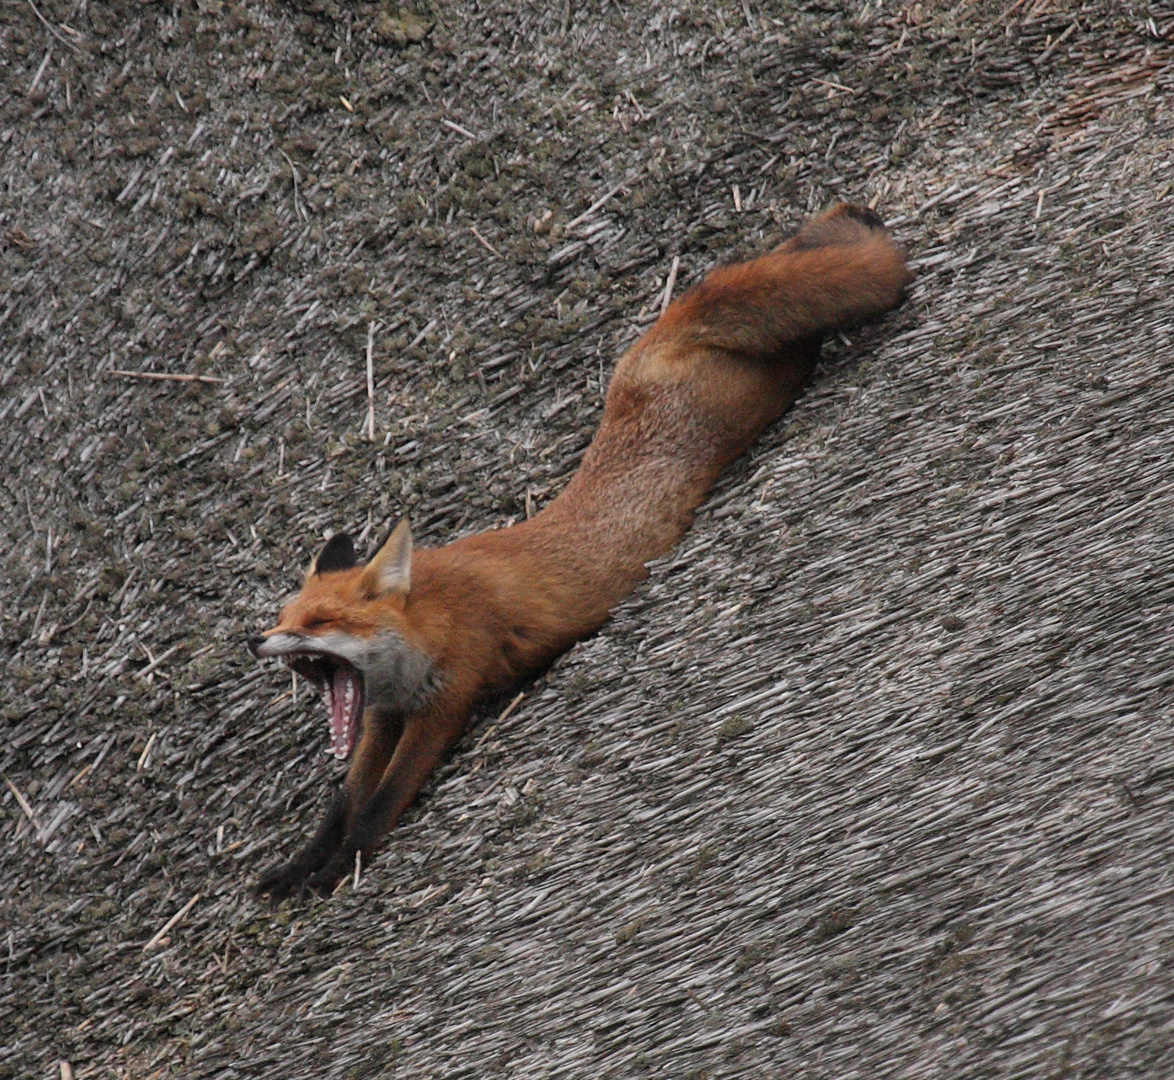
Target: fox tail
{"points": [[841, 268]]}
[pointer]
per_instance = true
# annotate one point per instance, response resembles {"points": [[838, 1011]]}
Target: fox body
{"points": [[403, 646]]}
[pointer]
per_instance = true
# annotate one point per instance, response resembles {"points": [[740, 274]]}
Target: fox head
{"points": [[347, 633]]}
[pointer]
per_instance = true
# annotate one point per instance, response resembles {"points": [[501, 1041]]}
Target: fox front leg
{"points": [[425, 740], [289, 879], [374, 751]]}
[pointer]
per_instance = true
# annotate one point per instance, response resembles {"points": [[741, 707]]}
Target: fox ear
{"points": [[390, 570], [338, 554]]}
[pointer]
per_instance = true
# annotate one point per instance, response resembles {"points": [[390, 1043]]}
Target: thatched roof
{"points": [[873, 777]]}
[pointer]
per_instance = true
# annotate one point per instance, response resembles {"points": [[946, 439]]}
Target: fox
{"points": [[403, 647]]}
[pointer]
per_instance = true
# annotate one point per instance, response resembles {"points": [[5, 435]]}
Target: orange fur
{"points": [[726, 359]]}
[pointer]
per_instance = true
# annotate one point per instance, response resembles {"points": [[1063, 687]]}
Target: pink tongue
{"points": [[343, 701]]}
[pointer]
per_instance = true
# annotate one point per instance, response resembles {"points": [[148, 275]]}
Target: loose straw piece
{"points": [[40, 71], [79, 776], [485, 243], [49, 27], [171, 922], [597, 204], [163, 376], [156, 662], [370, 382], [1042, 58], [833, 85], [459, 130], [24, 803], [146, 751], [670, 284], [298, 211]]}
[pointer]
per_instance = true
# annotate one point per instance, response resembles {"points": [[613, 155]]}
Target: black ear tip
{"points": [[338, 554]]}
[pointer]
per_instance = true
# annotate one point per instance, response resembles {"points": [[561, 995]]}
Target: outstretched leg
{"points": [[426, 738], [376, 746]]}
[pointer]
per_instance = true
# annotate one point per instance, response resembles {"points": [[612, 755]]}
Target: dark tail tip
{"points": [[842, 225], [864, 214]]}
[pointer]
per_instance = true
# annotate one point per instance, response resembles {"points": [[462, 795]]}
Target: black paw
{"points": [[326, 880], [281, 882]]}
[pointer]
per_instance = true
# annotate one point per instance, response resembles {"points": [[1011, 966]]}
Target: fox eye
{"points": [[313, 624]]}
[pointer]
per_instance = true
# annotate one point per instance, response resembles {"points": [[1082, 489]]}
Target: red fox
{"points": [[403, 647]]}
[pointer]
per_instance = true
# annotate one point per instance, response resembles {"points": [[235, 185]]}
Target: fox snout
{"points": [[253, 643]]}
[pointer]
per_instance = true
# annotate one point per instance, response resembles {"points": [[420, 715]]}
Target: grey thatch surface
{"points": [[874, 777]]}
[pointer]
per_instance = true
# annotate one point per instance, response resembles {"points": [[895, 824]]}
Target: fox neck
{"points": [[399, 678]]}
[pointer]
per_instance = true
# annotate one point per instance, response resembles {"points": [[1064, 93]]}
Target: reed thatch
{"points": [[873, 777]]}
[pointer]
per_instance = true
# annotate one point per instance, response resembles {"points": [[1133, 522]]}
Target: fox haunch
{"points": [[403, 647]]}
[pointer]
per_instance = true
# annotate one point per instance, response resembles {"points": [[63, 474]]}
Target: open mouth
{"points": [[341, 686]]}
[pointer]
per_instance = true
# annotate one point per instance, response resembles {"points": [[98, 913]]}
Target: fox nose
{"points": [[254, 642]]}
